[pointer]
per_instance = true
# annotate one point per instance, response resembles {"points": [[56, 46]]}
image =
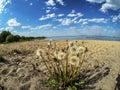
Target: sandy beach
{"points": [[22, 71]]}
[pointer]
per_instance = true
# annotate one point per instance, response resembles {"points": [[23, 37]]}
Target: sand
{"points": [[23, 71]]}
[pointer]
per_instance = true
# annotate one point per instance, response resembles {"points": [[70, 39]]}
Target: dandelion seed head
{"points": [[74, 60], [39, 52], [61, 55], [81, 49], [73, 49]]}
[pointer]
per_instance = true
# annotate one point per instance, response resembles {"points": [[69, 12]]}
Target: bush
{"points": [[64, 66], [17, 38], [3, 36], [10, 38]]}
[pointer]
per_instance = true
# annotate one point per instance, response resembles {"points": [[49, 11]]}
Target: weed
{"points": [[64, 66]]}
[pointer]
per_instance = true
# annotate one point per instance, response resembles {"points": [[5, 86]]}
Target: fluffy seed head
{"points": [[74, 60], [61, 55], [39, 52]]}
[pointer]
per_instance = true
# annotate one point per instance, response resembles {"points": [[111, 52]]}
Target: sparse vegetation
{"points": [[16, 51], [64, 66], [1, 58]]}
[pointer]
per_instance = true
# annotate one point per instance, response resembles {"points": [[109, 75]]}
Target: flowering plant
{"points": [[63, 65]]}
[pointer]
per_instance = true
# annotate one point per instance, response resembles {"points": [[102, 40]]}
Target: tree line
{"points": [[7, 37]]}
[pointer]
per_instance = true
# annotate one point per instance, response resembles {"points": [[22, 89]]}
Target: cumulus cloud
{"points": [[53, 3], [60, 2], [107, 4], [110, 4], [13, 22], [71, 18], [50, 3], [67, 21], [3, 4], [60, 15], [48, 16], [47, 11], [115, 18]]}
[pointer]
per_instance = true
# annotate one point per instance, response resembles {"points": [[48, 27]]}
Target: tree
{"points": [[10, 38], [17, 38], [3, 36]]}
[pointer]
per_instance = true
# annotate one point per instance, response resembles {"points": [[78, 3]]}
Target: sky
{"points": [[60, 17]]}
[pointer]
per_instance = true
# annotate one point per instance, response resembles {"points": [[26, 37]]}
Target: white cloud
{"points": [[48, 16], [98, 20], [26, 27], [47, 11], [98, 30], [73, 14], [60, 2], [115, 18], [94, 20], [73, 11], [96, 1], [13, 22], [41, 27], [66, 21], [3, 4], [50, 3], [110, 4], [107, 4], [60, 15], [53, 3], [9, 28]]}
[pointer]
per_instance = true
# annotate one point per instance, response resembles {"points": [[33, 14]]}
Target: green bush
{"points": [[17, 38], [3, 36], [10, 38]]}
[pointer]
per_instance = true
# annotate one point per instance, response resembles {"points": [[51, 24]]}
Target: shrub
{"points": [[17, 38], [64, 66], [10, 38], [3, 36]]}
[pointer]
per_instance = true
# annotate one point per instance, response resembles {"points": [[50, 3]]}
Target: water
{"points": [[84, 37]]}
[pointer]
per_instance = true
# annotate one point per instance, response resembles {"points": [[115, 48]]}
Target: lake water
{"points": [[83, 37]]}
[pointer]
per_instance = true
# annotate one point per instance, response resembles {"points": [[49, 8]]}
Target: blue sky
{"points": [[60, 17]]}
